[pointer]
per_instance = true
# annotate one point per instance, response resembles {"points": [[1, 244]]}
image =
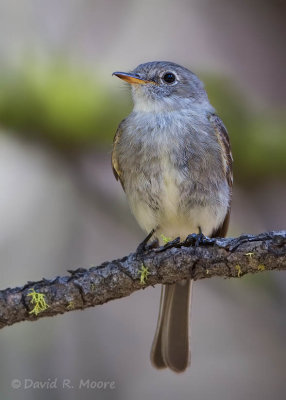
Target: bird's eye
{"points": [[169, 77]]}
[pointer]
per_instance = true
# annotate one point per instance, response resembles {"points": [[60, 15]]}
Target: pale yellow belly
{"points": [[169, 220]]}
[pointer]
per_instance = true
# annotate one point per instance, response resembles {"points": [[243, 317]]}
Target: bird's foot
{"points": [[144, 246], [200, 238]]}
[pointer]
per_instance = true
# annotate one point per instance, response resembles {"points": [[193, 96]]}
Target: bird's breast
{"points": [[169, 187], [172, 179]]}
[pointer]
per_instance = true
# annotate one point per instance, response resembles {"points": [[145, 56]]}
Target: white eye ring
{"points": [[169, 78]]}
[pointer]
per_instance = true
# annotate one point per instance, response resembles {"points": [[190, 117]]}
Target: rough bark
{"points": [[228, 258]]}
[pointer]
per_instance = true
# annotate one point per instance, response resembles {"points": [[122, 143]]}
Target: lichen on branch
{"points": [[82, 288]]}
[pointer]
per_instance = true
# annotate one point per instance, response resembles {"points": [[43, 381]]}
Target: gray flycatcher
{"points": [[172, 156]]}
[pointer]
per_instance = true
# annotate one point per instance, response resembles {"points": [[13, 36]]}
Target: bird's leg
{"points": [[200, 237], [143, 245]]}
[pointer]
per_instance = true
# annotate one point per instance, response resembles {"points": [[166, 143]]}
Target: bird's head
{"points": [[162, 86]]}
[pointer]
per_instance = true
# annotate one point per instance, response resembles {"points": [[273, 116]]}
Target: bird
{"points": [[173, 158]]}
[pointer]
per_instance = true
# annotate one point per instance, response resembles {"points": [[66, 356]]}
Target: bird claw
{"points": [[144, 246], [200, 238]]}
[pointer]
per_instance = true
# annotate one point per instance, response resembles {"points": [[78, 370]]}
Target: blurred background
{"points": [[61, 208]]}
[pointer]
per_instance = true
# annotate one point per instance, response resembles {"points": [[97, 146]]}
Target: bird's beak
{"points": [[132, 79]]}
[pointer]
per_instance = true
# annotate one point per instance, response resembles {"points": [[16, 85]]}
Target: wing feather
{"points": [[227, 159], [223, 139], [114, 156]]}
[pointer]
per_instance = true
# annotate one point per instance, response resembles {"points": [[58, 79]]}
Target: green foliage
{"points": [[58, 104], [71, 108], [258, 139]]}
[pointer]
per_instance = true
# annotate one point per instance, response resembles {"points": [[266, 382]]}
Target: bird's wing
{"points": [[227, 159], [114, 157], [223, 139]]}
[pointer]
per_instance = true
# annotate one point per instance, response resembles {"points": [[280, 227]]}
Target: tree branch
{"points": [[175, 261]]}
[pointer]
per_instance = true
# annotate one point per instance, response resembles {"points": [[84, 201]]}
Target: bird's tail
{"points": [[171, 347]]}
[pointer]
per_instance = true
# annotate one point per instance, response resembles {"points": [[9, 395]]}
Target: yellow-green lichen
{"points": [[144, 272], [70, 306], [261, 267], [249, 254], [165, 239], [239, 272], [38, 299], [92, 287]]}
